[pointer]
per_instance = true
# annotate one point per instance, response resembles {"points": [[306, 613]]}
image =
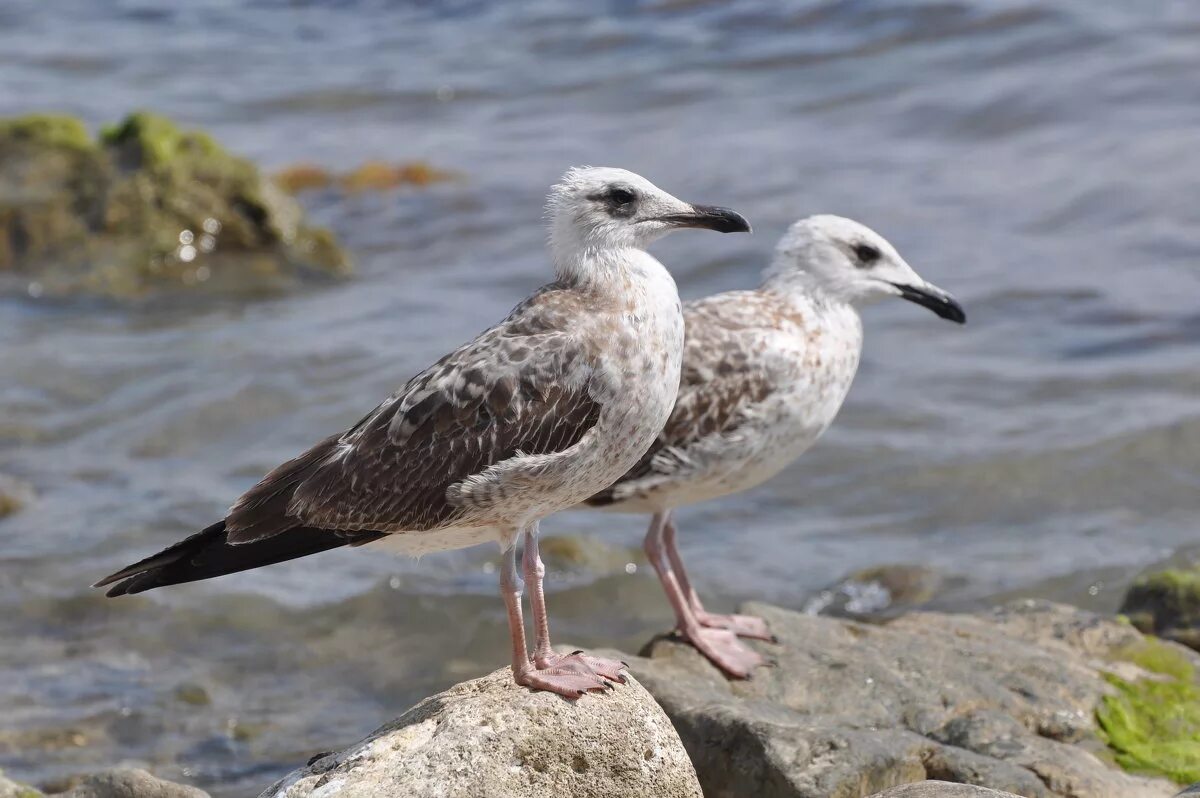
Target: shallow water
{"points": [[1036, 158]]}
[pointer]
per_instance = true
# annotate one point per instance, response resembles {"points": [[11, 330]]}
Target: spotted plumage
{"points": [[531, 417], [764, 374], [756, 364]]}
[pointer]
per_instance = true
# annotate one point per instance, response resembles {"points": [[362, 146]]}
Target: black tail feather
{"points": [[208, 553]]}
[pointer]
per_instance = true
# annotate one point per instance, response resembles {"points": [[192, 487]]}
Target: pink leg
{"points": [[571, 685], [741, 625], [720, 646], [543, 655]]}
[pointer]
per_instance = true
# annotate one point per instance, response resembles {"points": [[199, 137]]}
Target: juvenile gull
{"points": [[531, 417], [764, 373]]}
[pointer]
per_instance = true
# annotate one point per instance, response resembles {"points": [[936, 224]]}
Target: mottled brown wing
{"points": [[524, 387], [718, 383]]}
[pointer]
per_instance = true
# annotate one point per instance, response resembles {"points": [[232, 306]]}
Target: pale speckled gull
{"points": [[533, 416], [764, 374]]}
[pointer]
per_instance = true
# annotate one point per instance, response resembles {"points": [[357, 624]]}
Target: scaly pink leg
{"points": [[741, 625], [544, 656], [567, 683], [720, 646]]}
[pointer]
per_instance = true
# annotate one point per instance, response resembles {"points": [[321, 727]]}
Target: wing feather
{"points": [[479, 406]]}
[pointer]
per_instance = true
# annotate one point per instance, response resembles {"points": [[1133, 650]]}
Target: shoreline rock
{"points": [[941, 789], [489, 738], [114, 783], [1006, 700]]}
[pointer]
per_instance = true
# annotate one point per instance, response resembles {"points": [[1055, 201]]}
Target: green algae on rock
{"points": [[1152, 724], [145, 209], [1167, 603]]}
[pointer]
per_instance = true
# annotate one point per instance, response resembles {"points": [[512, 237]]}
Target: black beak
{"points": [[709, 217], [940, 303]]}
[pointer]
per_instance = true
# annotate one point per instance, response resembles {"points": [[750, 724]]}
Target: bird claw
{"points": [[566, 682], [578, 661]]}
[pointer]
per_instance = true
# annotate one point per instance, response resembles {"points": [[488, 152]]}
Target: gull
{"points": [[764, 374], [531, 417]]}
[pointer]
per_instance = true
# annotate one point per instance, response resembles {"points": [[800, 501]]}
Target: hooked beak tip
{"points": [[710, 217], [942, 304]]}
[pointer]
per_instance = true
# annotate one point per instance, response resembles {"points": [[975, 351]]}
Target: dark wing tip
{"points": [[144, 567]]}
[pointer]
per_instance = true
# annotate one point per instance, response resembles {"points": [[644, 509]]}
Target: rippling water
{"points": [[1037, 158]]}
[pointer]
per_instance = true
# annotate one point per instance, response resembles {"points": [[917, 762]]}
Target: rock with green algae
{"points": [[1005, 699], [1167, 604], [147, 208], [1152, 722]]}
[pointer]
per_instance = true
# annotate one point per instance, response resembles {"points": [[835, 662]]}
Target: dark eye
{"points": [[866, 254], [621, 196]]}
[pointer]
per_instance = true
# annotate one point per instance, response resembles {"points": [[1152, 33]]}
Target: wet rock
{"points": [[14, 495], [146, 208], [369, 176], [587, 554], [941, 789], [1167, 604], [131, 783], [1005, 700], [193, 694], [14, 789], [877, 592], [489, 737]]}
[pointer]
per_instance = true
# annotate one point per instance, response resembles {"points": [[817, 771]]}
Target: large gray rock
{"points": [[1003, 700], [941, 789], [489, 738], [131, 783]]}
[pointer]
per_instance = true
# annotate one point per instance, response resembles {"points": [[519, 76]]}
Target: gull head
{"points": [[601, 208], [851, 262]]}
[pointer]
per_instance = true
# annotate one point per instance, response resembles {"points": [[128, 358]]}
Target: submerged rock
{"points": [[1167, 603], [941, 789], [369, 176], [489, 737], [14, 495], [146, 208], [131, 783], [878, 592], [1006, 700]]}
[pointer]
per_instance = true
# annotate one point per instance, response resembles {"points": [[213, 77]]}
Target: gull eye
{"points": [[621, 196], [867, 255]]}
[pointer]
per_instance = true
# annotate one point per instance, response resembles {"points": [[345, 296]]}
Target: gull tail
{"points": [[208, 553]]}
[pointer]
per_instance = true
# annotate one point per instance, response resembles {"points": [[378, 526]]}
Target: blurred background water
{"points": [[1035, 157]]}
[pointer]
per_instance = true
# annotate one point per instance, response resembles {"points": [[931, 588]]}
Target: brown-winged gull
{"points": [[533, 416], [764, 373]]}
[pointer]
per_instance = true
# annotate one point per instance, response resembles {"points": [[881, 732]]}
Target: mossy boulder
{"points": [[145, 208], [1167, 604]]}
